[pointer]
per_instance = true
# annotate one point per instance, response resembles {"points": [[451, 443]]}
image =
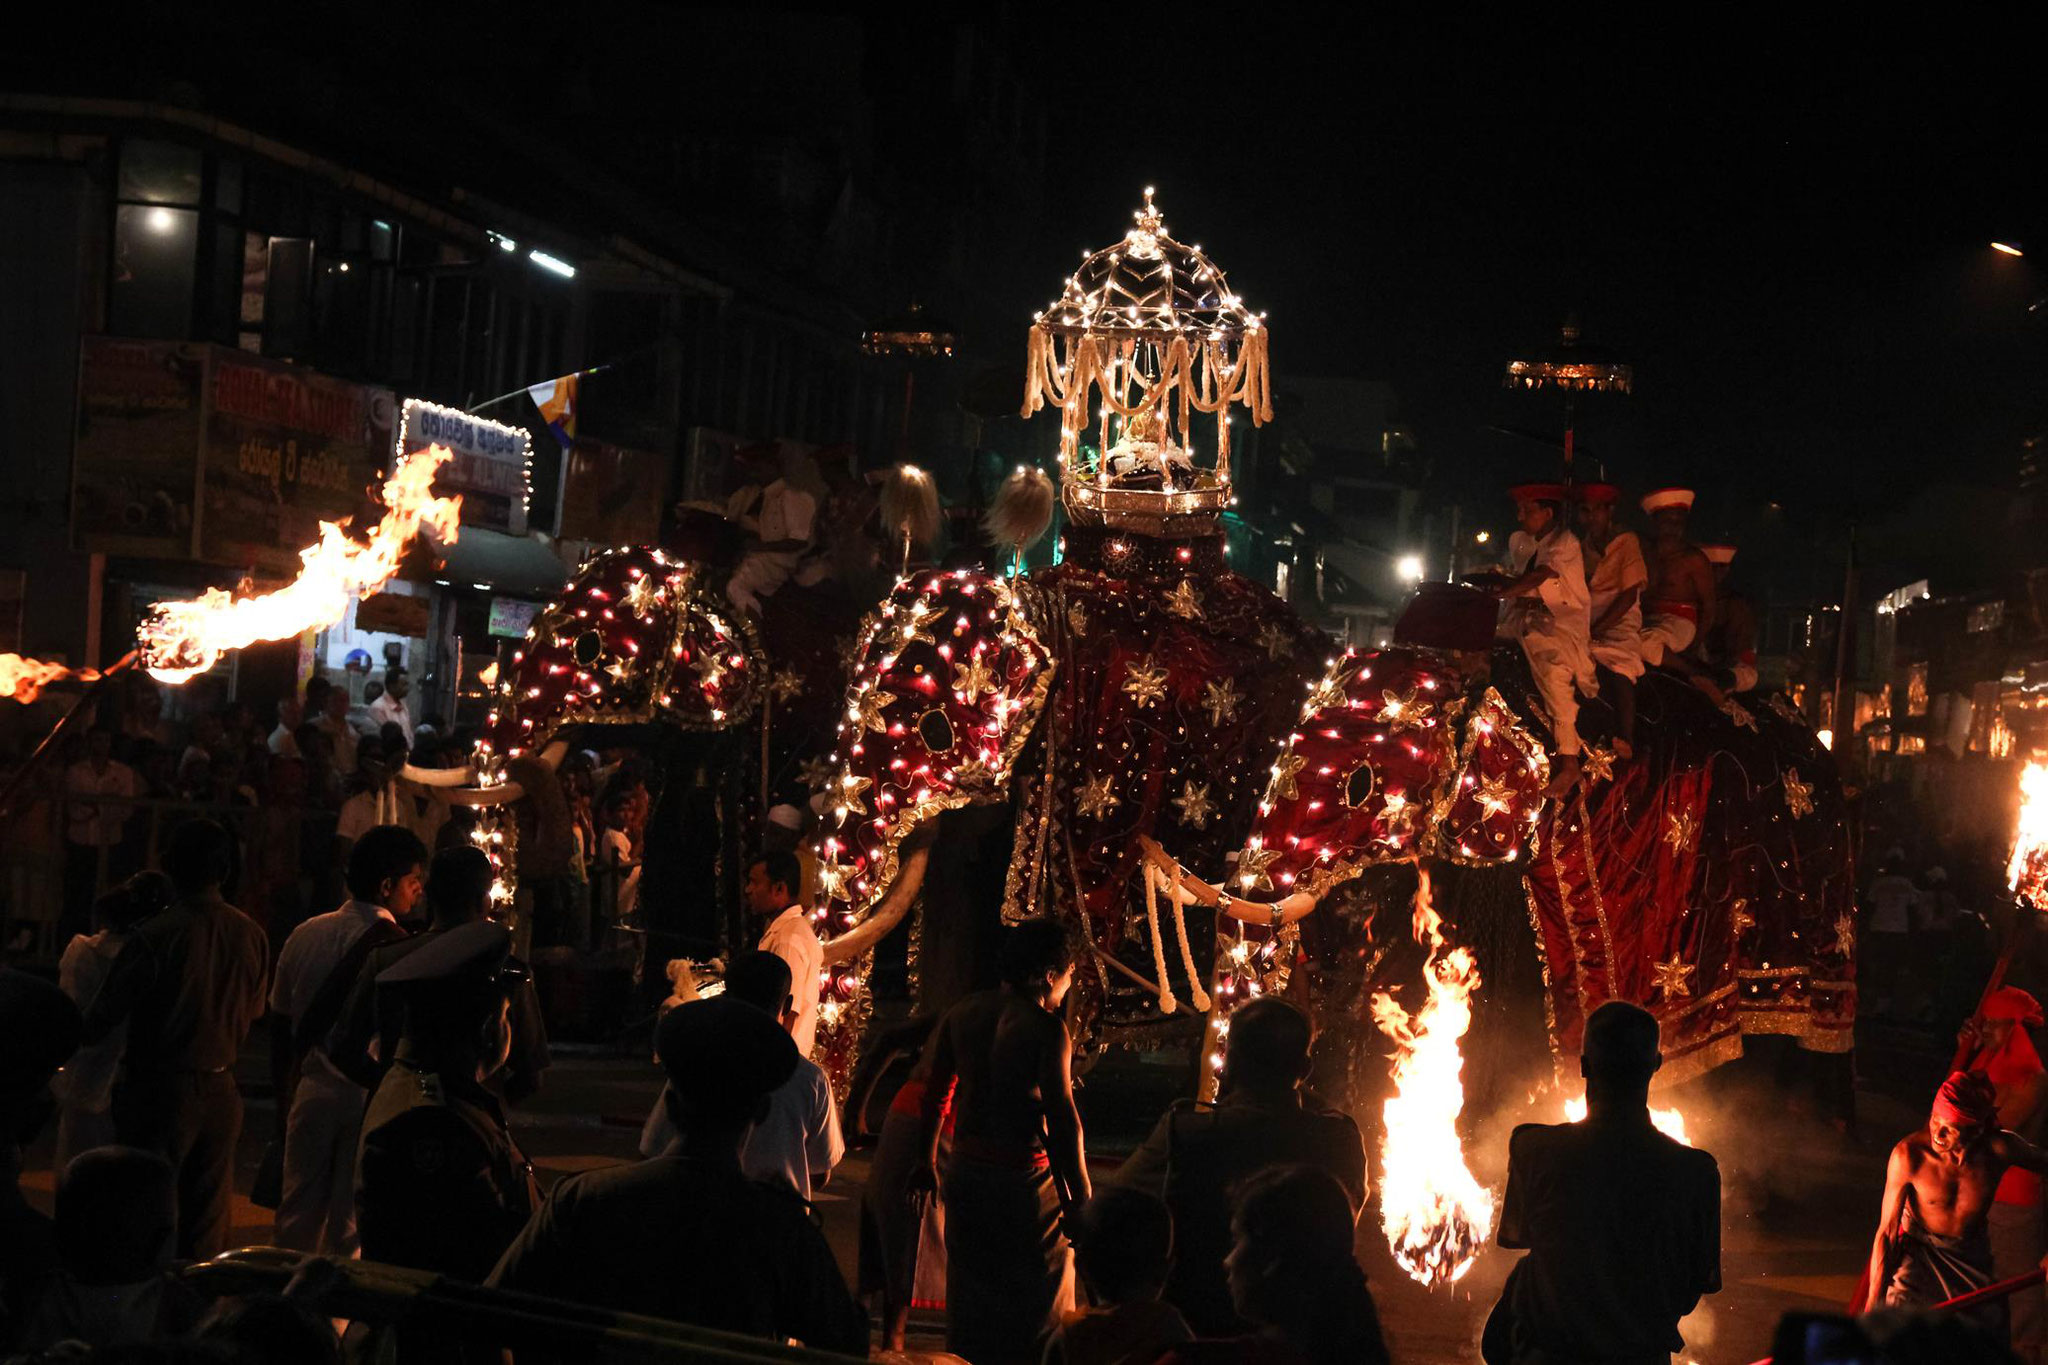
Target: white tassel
{"points": [[1198, 996], [1167, 1004]]}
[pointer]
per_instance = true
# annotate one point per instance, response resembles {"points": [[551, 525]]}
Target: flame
{"points": [[181, 640], [23, 680], [1669, 1122], [1437, 1217], [2027, 873]]}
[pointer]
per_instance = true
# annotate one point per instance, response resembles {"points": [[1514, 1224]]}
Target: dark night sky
{"points": [[1788, 241], [1785, 233]]}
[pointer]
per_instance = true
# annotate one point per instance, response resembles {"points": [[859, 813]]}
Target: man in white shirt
{"points": [[390, 708], [798, 1143], [283, 742], [1548, 609], [1615, 576], [774, 883], [1888, 935], [101, 789], [391, 801], [777, 517], [315, 974]]}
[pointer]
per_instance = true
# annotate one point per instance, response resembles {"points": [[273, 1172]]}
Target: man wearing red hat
{"points": [[1933, 1238], [1615, 578], [1678, 602], [2004, 1055], [1548, 609]]}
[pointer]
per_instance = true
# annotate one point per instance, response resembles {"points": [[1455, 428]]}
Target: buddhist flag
{"points": [[556, 400]]}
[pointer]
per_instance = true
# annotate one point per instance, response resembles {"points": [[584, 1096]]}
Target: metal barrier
{"points": [[388, 1296]]}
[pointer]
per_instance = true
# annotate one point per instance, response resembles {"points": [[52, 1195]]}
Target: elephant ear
{"points": [[635, 638], [946, 681], [1488, 814], [1354, 782]]}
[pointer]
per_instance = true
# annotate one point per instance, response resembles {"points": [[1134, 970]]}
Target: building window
{"points": [[155, 266], [1987, 616]]}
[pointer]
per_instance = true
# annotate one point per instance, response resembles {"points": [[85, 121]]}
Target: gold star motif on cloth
{"points": [[1739, 917], [973, 772], [1251, 868], [1678, 830], [1400, 813], [1285, 770], [1220, 700], [1195, 806], [1077, 618], [1273, 638], [1494, 797], [643, 595], [816, 772], [710, 672], [1736, 712], [853, 793], [1402, 709], [621, 669], [785, 684], [918, 627], [1785, 709], [1798, 795], [1845, 935], [1095, 799], [974, 677], [868, 710], [1328, 693], [832, 881], [1597, 766], [1145, 682], [1672, 978], [1183, 602]]}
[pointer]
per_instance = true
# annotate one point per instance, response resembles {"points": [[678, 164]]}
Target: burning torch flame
{"points": [[181, 640], [23, 680], [1669, 1122], [2027, 874], [1437, 1217]]}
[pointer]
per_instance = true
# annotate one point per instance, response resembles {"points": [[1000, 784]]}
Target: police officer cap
{"points": [[473, 952], [724, 1050]]}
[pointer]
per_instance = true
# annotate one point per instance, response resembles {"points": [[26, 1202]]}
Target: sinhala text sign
{"points": [[490, 467]]}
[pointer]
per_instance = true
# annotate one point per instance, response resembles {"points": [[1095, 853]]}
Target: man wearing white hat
{"points": [[1547, 608], [1678, 602], [1731, 648]]}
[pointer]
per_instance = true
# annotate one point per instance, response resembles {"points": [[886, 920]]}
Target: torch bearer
{"points": [[2027, 875]]}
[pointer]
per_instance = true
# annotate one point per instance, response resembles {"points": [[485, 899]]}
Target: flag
{"points": [[556, 400]]}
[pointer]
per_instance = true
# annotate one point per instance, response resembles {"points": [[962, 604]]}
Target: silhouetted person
{"points": [[458, 892], [117, 1213], [1294, 1278], [189, 983], [38, 1030], [1622, 1224], [1123, 1243], [1199, 1153], [1017, 1161], [689, 1237]]}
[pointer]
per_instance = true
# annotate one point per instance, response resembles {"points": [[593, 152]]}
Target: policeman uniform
{"points": [[440, 1185]]}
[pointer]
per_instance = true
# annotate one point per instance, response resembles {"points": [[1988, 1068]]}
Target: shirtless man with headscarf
{"points": [[1999, 1048], [1933, 1239]]}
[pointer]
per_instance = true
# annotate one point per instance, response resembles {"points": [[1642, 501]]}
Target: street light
{"points": [[2008, 248], [1482, 537], [1409, 568]]}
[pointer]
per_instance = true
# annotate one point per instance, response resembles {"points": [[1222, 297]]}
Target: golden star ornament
{"points": [[1402, 708], [1195, 806], [643, 595], [1273, 638], [1845, 935], [1494, 796], [853, 794], [1183, 602], [1145, 682], [1678, 830], [1095, 799], [1251, 868], [868, 710], [974, 677], [1597, 766], [1286, 769], [1673, 978], [1798, 795], [1220, 700]]}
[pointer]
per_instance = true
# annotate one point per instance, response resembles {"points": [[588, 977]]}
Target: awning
{"points": [[502, 563]]}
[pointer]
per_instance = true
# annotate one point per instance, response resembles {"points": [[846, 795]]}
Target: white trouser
{"points": [[317, 1209], [1665, 635], [1619, 649]]}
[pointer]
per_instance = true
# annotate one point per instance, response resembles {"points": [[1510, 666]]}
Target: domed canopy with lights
{"points": [[1151, 327]]}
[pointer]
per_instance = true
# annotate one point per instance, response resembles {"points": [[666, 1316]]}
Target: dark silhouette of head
{"points": [[199, 856], [1291, 1268], [117, 1210], [1268, 1053], [1038, 960], [1123, 1245], [459, 886], [1620, 1054]]}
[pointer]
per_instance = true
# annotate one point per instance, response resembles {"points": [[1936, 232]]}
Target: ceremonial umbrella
{"points": [[1574, 368]]}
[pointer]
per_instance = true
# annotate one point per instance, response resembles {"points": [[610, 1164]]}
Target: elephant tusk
{"points": [[457, 786], [1192, 890], [886, 915], [438, 777]]}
